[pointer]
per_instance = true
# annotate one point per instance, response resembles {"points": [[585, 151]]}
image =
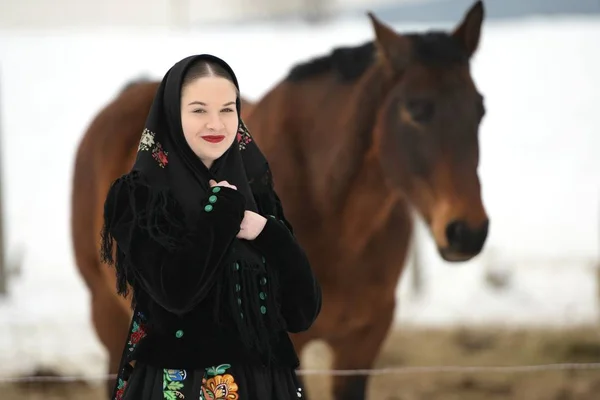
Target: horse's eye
{"points": [[420, 110]]}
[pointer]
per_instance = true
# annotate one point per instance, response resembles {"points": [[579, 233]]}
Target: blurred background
{"points": [[532, 296]]}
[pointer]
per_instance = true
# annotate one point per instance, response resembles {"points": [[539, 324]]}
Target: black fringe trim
{"points": [[132, 203], [251, 298]]}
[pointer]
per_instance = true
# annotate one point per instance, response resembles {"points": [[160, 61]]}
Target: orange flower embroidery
{"points": [[220, 387]]}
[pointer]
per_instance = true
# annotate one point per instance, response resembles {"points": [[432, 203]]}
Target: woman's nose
{"points": [[214, 123]]}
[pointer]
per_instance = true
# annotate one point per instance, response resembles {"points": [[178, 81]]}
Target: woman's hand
{"points": [[252, 225], [213, 183]]}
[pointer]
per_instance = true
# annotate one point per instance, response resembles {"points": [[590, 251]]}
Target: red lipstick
{"points": [[213, 138]]}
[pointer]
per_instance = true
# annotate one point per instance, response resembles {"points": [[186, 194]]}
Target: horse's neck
{"points": [[337, 171], [355, 180], [369, 205]]}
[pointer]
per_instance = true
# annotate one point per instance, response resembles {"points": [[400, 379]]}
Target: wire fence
{"points": [[357, 372]]}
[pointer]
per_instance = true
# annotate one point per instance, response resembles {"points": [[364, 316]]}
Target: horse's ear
{"points": [[393, 48], [469, 30]]}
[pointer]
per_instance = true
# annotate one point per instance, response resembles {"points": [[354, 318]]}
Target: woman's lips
{"points": [[213, 138]]}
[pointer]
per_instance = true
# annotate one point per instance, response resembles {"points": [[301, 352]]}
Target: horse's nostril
{"points": [[456, 232], [464, 239]]}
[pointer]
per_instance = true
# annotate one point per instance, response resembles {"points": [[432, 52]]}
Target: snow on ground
{"points": [[539, 146]]}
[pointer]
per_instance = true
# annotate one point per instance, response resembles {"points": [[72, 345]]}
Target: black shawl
{"points": [[161, 203]]}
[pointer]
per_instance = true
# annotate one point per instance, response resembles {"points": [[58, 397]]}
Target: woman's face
{"points": [[209, 117]]}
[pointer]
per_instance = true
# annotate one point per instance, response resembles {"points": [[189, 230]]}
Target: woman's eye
{"points": [[228, 110], [199, 110]]}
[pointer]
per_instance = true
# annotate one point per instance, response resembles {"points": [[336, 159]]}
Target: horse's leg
{"points": [[366, 312], [358, 349], [111, 320]]}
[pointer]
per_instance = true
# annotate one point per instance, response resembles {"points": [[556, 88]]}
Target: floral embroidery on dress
{"points": [[148, 142], [220, 386], [243, 136], [173, 383], [120, 389], [138, 332]]}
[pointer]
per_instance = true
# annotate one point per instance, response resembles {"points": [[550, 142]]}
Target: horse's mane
{"points": [[350, 62]]}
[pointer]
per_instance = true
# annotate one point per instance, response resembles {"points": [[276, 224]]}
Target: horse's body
{"points": [[352, 139]]}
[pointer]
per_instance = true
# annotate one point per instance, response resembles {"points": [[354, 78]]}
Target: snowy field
{"points": [[539, 150]]}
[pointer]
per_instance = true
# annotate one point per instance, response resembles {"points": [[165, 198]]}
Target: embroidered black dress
{"points": [[212, 312], [194, 357]]}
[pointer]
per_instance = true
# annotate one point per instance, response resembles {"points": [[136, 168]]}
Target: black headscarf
{"points": [[164, 188]]}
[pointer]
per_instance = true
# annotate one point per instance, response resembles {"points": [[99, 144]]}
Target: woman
{"points": [[218, 279]]}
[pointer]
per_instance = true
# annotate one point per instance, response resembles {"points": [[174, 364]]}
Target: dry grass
{"points": [[436, 348]]}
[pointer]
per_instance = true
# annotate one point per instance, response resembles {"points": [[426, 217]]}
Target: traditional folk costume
{"points": [[211, 312]]}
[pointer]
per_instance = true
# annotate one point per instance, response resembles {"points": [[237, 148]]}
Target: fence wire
{"points": [[354, 372]]}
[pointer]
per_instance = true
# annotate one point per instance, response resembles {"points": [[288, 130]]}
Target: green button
{"points": [[179, 334], [237, 287], [242, 315], [263, 281], [264, 260], [212, 199], [216, 189], [239, 302], [262, 295], [237, 266], [208, 208], [263, 309]]}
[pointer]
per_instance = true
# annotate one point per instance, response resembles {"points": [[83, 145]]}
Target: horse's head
{"points": [[427, 130]]}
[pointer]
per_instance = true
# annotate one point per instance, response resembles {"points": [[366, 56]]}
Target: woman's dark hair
{"points": [[204, 68]]}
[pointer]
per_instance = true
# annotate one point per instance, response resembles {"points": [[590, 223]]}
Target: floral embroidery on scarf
{"points": [[160, 155], [243, 137], [147, 143], [147, 140], [173, 383], [220, 386]]}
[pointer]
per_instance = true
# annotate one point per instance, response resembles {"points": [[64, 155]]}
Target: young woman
{"points": [[217, 277]]}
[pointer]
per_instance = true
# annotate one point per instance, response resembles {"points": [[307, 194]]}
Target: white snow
{"points": [[539, 151]]}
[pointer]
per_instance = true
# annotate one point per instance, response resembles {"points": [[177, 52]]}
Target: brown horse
{"points": [[353, 138], [107, 151]]}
